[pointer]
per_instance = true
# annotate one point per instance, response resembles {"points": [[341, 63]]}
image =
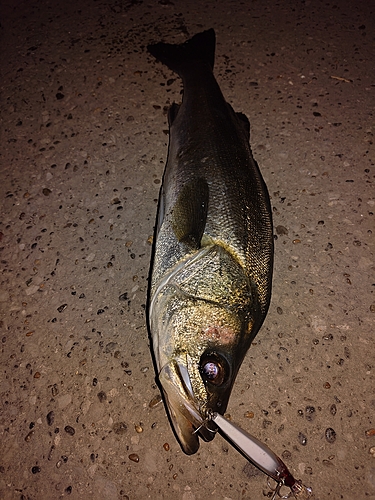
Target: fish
{"points": [[211, 269]]}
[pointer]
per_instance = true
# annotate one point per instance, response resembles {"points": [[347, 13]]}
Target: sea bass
{"points": [[213, 252]]}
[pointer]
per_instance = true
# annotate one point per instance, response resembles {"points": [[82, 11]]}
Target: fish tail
{"points": [[200, 48]]}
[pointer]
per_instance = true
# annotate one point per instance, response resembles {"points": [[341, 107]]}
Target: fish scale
{"points": [[213, 248]]}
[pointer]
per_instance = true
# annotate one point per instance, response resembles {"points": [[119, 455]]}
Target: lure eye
{"points": [[214, 368]]}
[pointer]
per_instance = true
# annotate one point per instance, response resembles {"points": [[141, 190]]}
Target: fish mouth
{"points": [[187, 419]]}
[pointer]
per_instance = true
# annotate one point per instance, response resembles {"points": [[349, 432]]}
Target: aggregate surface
{"points": [[83, 146]]}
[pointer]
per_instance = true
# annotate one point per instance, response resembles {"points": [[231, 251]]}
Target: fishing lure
{"points": [[264, 458]]}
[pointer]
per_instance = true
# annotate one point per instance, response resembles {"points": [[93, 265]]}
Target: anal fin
{"points": [[172, 113]]}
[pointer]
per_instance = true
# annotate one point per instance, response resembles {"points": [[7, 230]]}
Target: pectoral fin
{"points": [[190, 213]]}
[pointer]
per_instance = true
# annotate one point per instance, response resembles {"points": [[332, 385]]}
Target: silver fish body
{"points": [[212, 266]]}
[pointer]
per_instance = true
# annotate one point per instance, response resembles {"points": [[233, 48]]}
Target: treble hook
{"points": [[298, 490], [276, 490], [204, 424]]}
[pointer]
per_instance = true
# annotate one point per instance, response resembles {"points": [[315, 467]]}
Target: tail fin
{"points": [[201, 47]]}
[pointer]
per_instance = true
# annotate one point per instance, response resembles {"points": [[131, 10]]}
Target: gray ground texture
{"points": [[83, 146]]}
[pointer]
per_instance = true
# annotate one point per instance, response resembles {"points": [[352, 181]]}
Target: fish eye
{"points": [[214, 368], [211, 370]]}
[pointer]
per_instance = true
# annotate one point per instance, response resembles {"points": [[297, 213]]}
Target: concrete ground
{"points": [[83, 146]]}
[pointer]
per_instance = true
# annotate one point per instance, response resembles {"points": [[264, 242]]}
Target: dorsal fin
{"points": [[245, 124]]}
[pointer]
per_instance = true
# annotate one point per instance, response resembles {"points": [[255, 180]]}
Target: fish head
{"points": [[198, 376], [203, 317]]}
